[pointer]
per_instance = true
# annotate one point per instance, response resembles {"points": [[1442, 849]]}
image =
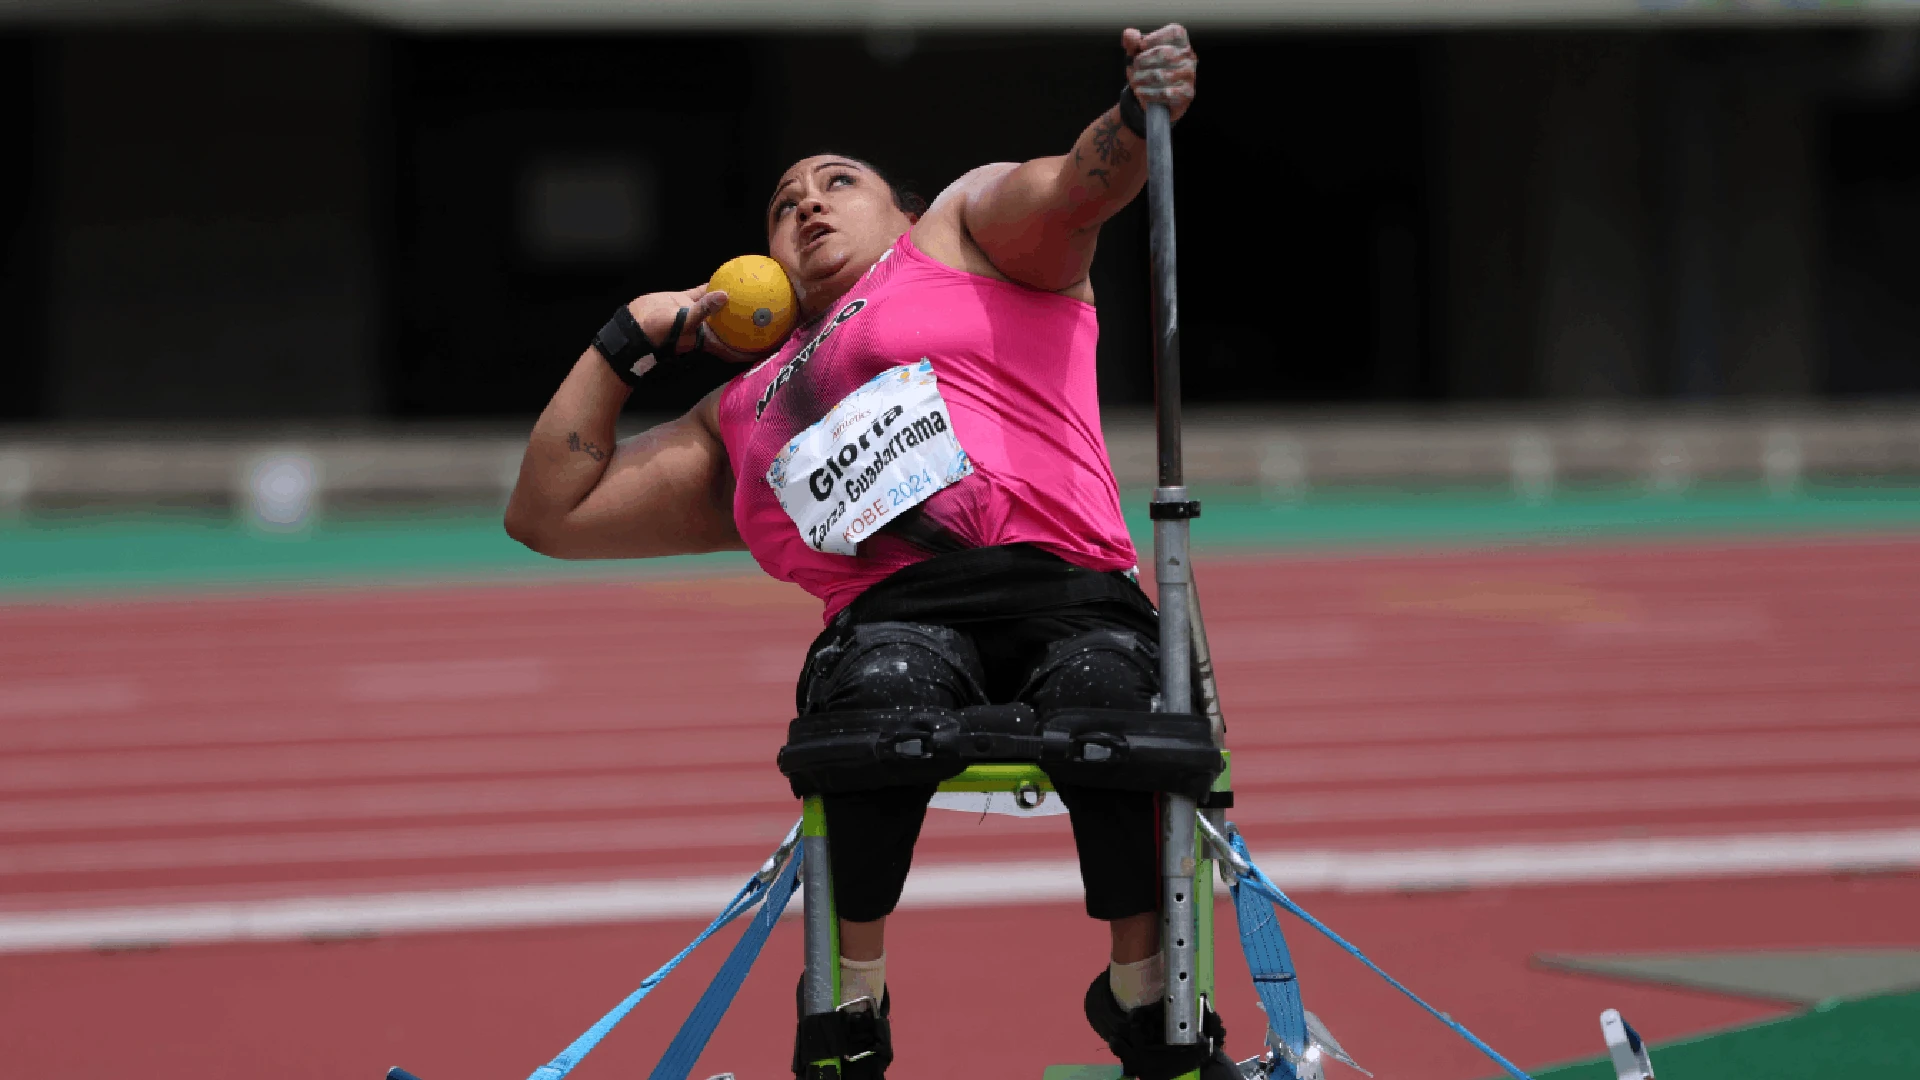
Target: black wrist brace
{"points": [[625, 347], [1132, 114]]}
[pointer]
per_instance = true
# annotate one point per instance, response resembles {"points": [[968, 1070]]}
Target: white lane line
{"points": [[1814, 710], [1263, 717], [663, 787], [660, 752], [1591, 755], [1244, 641], [1486, 802], [1600, 861], [951, 885], [1717, 783], [529, 753], [392, 845], [756, 788], [1618, 795], [444, 680], [48, 698], [179, 722], [1476, 681]]}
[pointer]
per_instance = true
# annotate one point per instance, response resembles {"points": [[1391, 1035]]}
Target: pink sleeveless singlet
{"points": [[863, 453]]}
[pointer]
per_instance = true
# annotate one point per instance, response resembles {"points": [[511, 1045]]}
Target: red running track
{"points": [[417, 738], [982, 992], [400, 738]]}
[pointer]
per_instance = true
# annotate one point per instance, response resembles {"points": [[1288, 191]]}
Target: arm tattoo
{"points": [[1106, 142], [590, 449]]}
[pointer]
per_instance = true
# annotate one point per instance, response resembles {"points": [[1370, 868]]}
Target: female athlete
{"points": [[924, 454]]}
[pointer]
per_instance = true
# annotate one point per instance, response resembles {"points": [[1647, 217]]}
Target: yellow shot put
{"points": [[760, 305]]}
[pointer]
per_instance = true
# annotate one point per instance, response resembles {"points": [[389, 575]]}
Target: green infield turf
{"points": [[64, 552], [1872, 1039], [60, 553]]}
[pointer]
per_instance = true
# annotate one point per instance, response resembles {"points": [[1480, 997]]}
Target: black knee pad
{"points": [[1099, 669], [1096, 693], [888, 664], [892, 704]]}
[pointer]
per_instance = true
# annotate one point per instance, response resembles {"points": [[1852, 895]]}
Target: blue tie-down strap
{"points": [[1284, 1005], [1272, 968], [691, 1040], [776, 889]]}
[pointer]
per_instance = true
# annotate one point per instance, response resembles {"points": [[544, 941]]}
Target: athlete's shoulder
{"points": [[942, 233], [973, 180]]}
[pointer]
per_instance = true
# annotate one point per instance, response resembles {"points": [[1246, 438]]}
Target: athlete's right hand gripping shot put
{"points": [[922, 451]]}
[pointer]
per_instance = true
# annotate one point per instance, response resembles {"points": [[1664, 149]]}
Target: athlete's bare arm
{"points": [[666, 491], [1037, 222]]}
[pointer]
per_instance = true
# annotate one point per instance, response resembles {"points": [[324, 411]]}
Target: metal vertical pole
{"points": [[1205, 688], [818, 992], [1171, 509]]}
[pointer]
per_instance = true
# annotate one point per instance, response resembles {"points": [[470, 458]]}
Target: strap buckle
{"points": [[860, 1014]]}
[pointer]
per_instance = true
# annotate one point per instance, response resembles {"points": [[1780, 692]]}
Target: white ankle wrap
{"points": [[1139, 983], [863, 978]]}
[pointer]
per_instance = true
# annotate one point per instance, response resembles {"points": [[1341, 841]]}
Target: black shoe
{"points": [[1138, 1037], [858, 1034]]}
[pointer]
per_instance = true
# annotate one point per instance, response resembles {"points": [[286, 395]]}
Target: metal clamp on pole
{"points": [[771, 868], [1171, 511], [1223, 847]]}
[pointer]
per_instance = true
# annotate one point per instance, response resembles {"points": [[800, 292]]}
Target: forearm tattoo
{"points": [[592, 450], [1109, 148]]}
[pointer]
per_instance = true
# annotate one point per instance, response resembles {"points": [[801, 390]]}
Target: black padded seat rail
{"points": [[866, 749]]}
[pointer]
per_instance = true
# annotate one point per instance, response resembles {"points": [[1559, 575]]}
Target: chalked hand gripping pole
{"points": [[1171, 510]]}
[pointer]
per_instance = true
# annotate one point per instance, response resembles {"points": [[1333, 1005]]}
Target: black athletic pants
{"points": [[989, 626]]}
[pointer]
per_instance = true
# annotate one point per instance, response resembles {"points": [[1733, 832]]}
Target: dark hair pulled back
{"points": [[905, 199]]}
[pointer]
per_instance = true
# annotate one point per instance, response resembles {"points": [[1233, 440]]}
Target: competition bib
{"points": [[886, 448]]}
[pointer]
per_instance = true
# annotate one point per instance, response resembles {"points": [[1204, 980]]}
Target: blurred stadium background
{"points": [[1553, 369]]}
